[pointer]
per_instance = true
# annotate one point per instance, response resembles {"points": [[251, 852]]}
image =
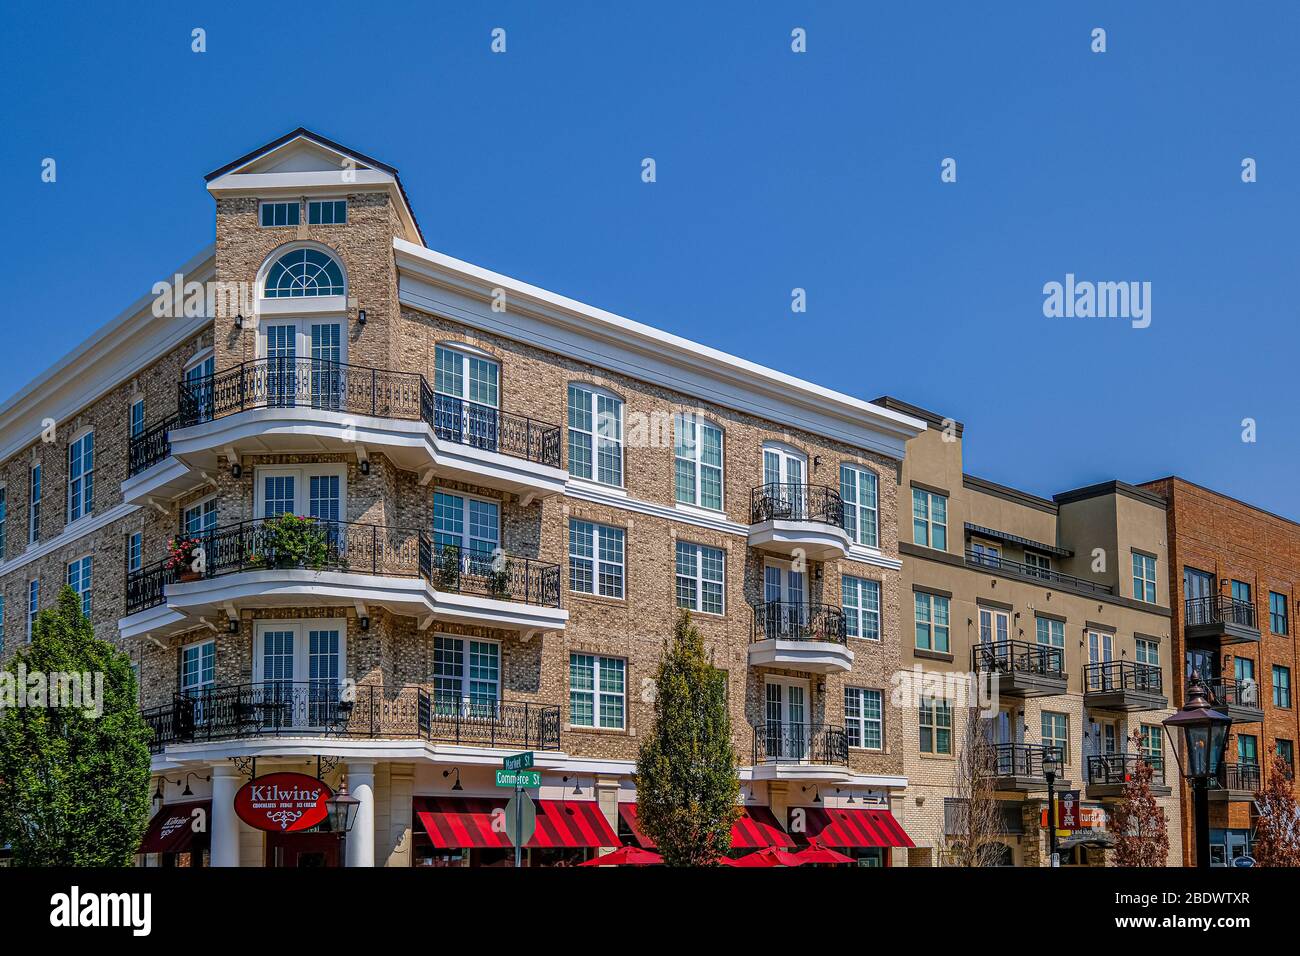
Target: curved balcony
{"points": [[1126, 686], [784, 750], [806, 637], [289, 562], [789, 518], [312, 406], [335, 709], [1023, 669], [1218, 616]]}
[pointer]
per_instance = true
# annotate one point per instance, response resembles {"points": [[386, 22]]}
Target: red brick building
{"points": [[1235, 580]]}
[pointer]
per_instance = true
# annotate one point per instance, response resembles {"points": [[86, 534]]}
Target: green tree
{"points": [[74, 784], [687, 787]]}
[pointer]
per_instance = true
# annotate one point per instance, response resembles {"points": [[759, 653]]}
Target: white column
{"points": [[223, 824], [361, 838]]}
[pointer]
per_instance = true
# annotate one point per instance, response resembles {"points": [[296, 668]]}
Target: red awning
{"points": [[840, 827], [453, 823], [755, 828], [172, 828]]}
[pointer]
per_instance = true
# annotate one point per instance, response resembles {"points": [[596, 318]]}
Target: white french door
{"points": [[787, 719], [298, 672], [995, 626], [783, 476], [319, 382], [1100, 648], [785, 599]]}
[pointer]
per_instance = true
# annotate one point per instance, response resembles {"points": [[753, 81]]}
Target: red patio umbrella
{"points": [[770, 856], [821, 854], [626, 856]]}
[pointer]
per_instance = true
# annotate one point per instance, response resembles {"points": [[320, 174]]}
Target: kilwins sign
{"points": [[283, 802]]}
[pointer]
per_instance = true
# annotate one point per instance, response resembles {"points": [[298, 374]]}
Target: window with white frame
{"points": [[466, 675], [135, 551], [595, 435], [303, 273], [864, 718], [317, 491], [2, 623], [472, 525], [4, 519], [859, 491], [861, 600], [1038, 565], [935, 720], [929, 519], [280, 213], [595, 559], [1049, 632], [33, 605], [79, 581], [1144, 577], [932, 623], [1148, 651], [596, 691], [201, 516], [1056, 732], [697, 457], [468, 377], [700, 575], [137, 417], [327, 212], [34, 504], [81, 476], [198, 667]]}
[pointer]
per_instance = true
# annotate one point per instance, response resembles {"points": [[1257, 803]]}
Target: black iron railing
{"points": [[335, 708], [995, 562], [1021, 760], [1120, 768], [1019, 657], [787, 621], [1220, 609], [504, 577], [790, 501], [1233, 693], [150, 446], [1237, 776], [357, 390], [1109, 676], [783, 742]]}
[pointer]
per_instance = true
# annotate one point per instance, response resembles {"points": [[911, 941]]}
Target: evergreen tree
{"points": [[687, 787], [1139, 825], [1277, 830], [74, 784]]}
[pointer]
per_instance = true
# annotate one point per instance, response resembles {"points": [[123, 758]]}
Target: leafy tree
{"points": [[1277, 830], [1139, 825], [74, 784], [687, 787]]}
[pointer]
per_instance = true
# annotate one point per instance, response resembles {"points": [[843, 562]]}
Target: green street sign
{"points": [[518, 761], [519, 778]]}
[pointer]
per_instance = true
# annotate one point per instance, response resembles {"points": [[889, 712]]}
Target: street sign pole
{"points": [[519, 805]]}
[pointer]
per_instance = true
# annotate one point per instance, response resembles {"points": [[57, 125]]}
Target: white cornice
{"points": [[434, 282], [112, 354]]}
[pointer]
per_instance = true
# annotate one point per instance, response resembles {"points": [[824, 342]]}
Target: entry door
{"points": [[787, 719], [785, 596], [1100, 649], [297, 675], [1204, 663], [281, 359], [327, 372], [1003, 730], [1198, 590], [783, 473], [302, 850], [995, 626]]}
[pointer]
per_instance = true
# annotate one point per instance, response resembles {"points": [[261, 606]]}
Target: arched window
{"points": [[303, 272]]}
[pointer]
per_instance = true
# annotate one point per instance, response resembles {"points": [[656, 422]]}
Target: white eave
{"points": [[434, 282]]}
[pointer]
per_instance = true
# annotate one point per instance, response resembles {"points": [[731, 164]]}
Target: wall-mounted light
{"points": [[365, 466], [577, 785], [232, 625], [361, 316], [817, 797], [365, 622], [236, 471], [239, 321], [456, 787], [188, 792]]}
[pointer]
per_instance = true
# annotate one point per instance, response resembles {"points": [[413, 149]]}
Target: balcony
{"points": [[1107, 774], [311, 406], [1222, 618], [1238, 699], [279, 709], [268, 563], [805, 637], [787, 518], [792, 751], [1023, 669], [1028, 572], [1236, 783], [1019, 767], [1124, 686]]}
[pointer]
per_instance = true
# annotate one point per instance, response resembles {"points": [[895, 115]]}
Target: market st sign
{"points": [[283, 802]]}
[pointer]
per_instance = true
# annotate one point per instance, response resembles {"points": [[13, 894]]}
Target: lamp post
{"points": [[341, 811], [1051, 764], [1205, 734]]}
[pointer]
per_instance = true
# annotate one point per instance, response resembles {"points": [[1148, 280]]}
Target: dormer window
{"points": [[303, 272], [280, 214], [327, 212]]}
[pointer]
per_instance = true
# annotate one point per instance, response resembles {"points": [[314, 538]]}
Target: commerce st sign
{"points": [[519, 778]]}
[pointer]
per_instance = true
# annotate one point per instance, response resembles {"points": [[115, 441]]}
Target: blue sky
{"points": [[775, 171]]}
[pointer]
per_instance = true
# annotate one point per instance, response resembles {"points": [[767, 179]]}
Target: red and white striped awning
{"points": [[842, 827], [455, 823], [755, 828]]}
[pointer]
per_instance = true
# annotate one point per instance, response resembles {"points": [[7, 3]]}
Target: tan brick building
{"points": [[1233, 591], [509, 494], [1063, 605]]}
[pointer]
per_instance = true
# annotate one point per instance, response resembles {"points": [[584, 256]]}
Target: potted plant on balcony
{"points": [[181, 554], [447, 568], [294, 541]]}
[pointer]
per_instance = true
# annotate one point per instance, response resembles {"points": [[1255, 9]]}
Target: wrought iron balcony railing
{"points": [[1228, 692], [995, 562], [481, 426], [786, 621], [150, 446], [496, 575], [1219, 609], [1022, 657], [1238, 776], [1021, 760], [1110, 676], [1120, 768], [782, 742], [791, 501], [331, 708]]}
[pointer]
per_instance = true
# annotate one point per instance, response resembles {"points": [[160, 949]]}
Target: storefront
{"points": [[178, 835], [471, 832], [1227, 846]]}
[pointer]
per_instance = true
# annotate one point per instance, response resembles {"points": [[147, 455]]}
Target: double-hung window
{"points": [[470, 525], [595, 435], [863, 718], [597, 691], [1277, 607], [135, 551], [81, 476], [697, 451], [935, 716], [595, 559], [932, 627], [137, 417], [929, 519], [79, 581], [34, 505], [201, 516], [700, 575], [198, 667], [1049, 632], [1038, 565], [1152, 743], [4, 514], [466, 675], [1281, 686], [1056, 732], [861, 600], [858, 488], [467, 392], [33, 605], [1144, 577]]}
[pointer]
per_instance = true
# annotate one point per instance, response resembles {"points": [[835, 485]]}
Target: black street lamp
{"points": [[342, 810], [1051, 764], [1205, 734]]}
